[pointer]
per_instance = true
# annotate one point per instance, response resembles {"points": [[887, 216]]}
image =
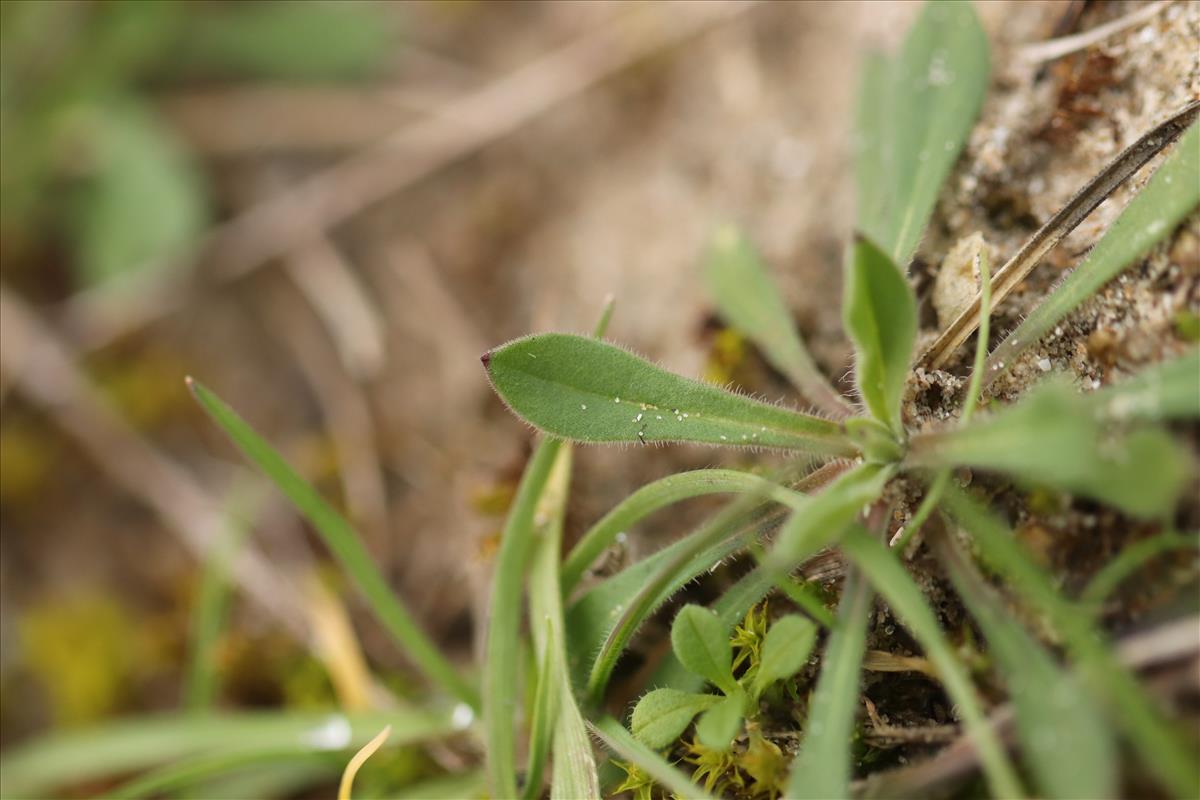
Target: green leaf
{"points": [[618, 741], [541, 725], [701, 643], [645, 501], [889, 578], [661, 716], [589, 391], [343, 542], [731, 607], [720, 724], [145, 200], [574, 775], [1064, 738], [503, 637], [1167, 755], [1131, 559], [914, 115], [1163, 391], [289, 40], [785, 650], [880, 315], [821, 769], [1169, 196], [818, 520], [740, 285], [1052, 437], [62, 759]]}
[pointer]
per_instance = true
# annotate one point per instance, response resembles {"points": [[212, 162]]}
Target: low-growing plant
{"points": [[852, 457]]}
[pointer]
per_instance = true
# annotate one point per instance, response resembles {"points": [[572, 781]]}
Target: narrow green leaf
{"points": [[1064, 738], [188, 772], [619, 741], [739, 283], [1167, 390], [701, 644], [645, 501], [504, 629], [574, 775], [541, 726], [927, 98], [731, 607], [880, 315], [63, 759], [785, 650], [662, 715], [343, 542], [1052, 437], [889, 578], [1159, 745], [1130, 560], [818, 519], [212, 602], [821, 769], [720, 724], [581, 389], [1169, 196]]}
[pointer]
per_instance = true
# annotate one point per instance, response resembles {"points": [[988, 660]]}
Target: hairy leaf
{"points": [[785, 649], [1053, 437], [740, 285], [701, 643], [717, 726], [915, 113], [1170, 195], [880, 315], [662, 715], [589, 391]]}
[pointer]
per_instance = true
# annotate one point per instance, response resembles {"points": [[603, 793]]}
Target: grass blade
{"points": [[1052, 437], [927, 98], [889, 578], [343, 542], [617, 740], [1064, 739], [1130, 560], [1163, 391], [541, 727], [574, 766], [64, 759], [879, 313], [212, 602], [740, 285], [502, 648], [645, 501], [190, 772], [1170, 195], [578, 388], [822, 767], [1163, 751]]}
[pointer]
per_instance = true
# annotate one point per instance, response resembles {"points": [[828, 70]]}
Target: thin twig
{"points": [[1074, 212], [1057, 48], [284, 222]]}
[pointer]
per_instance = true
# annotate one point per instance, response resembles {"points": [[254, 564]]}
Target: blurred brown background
{"points": [[327, 212]]}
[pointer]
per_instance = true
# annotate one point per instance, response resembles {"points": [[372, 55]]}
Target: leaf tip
{"points": [[486, 360]]}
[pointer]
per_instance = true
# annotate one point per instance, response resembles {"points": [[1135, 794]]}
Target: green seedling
{"points": [[703, 646]]}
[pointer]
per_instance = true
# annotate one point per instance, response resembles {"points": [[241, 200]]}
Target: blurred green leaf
{"points": [[663, 714], [914, 115], [701, 643], [617, 740], [589, 391], [1053, 437], [299, 40], [741, 286], [1168, 390], [143, 202], [1169, 196], [717, 726], [880, 315]]}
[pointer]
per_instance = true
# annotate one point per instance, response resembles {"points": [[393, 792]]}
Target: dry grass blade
{"points": [[1049, 235]]}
